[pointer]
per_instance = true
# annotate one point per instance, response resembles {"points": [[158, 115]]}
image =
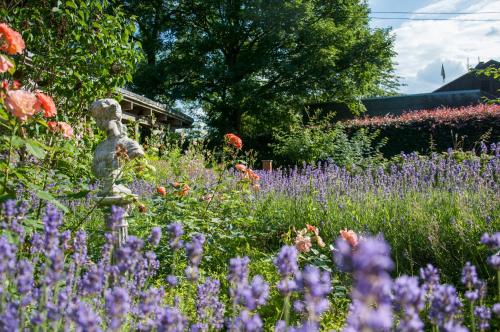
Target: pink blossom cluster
{"points": [[438, 116]]}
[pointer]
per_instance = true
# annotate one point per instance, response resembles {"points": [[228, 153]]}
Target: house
{"points": [[469, 89], [148, 113]]}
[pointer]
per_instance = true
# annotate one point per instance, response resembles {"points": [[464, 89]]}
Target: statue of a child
{"points": [[110, 154]]}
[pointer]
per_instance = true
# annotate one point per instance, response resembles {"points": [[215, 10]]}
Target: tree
{"points": [[250, 64], [80, 50]]}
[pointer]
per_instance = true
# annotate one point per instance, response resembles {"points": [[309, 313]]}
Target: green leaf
{"points": [[17, 142], [48, 197], [35, 148]]}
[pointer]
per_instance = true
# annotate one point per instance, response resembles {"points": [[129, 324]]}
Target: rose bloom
{"points": [[311, 228], [46, 105], [350, 237], [21, 104], [176, 184], [11, 41], [303, 243], [5, 64], [161, 190], [256, 187], [251, 175], [234, 140], [60, 127], [240, 167]]}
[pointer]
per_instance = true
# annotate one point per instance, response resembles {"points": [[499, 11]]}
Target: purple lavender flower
{"points": [[115, 217], [155, 236], [175, 232], [430, 277], [171, 321], [247, 322], [7, 255], [496, 309], [492, 241], [371, 303], [117, 306], [150, 300], [171, 280], [469, 275], [483, 315], [65, 238], [494, 261], [445, 305], [255, 294], [209, 308], [315, 286], [80, 247], [286, 263], [409, 299], [85, 318], [24, 276], [9, 319], [194, 252], [238, 276]]}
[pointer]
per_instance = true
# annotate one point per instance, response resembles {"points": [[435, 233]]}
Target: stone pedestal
{"points": [[267, 165]]}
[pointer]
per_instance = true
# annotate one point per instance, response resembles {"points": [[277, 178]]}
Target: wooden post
{"points": [[267, 165]]}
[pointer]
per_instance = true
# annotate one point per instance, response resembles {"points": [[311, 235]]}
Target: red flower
{"points": [[233, 140], [46, 105], [161, 190], [11, 41]]}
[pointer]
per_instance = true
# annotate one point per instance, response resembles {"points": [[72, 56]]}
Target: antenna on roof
{"points": [[443, 74]]}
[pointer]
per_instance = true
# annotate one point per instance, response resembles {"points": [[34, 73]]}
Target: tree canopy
{"points": [[247, 63]]}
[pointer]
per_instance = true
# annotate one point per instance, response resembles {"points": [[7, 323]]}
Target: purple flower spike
{"points": [[171, 321], [117, 306], [445, 305], [409, 299], [208, 306], [175, 233], [371, 303], [483, 315], [255, 294], [155, 236], [286, 263], [315, 285]]}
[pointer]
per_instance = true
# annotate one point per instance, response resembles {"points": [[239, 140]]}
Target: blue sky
{"points": [[423, 46]]}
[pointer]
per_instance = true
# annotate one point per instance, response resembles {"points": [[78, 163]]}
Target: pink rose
{"points": [[5, 64], [350, 237], [60, 127], [21, 104], [303, 243]]}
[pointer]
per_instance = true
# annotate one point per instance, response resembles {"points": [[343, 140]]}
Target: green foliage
{"points": [[252, 64], [322, 142], [80, 49]]}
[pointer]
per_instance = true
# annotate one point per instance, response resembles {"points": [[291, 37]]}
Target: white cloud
{"points": [[423, 45]]}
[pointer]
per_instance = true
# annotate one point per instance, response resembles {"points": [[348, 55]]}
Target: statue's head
{"points": [[108, 115]]}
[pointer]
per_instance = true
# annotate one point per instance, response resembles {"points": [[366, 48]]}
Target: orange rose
{"points": [[185, 190], [251, 175], [350, 237], [161, 190], [240, 167], [311, 228], [5, 64], [46, 105], [11, 41], [233, 140], [176, 184], [21, 104]]}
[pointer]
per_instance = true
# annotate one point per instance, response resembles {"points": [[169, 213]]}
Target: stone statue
{"points": [[110, 156]]}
